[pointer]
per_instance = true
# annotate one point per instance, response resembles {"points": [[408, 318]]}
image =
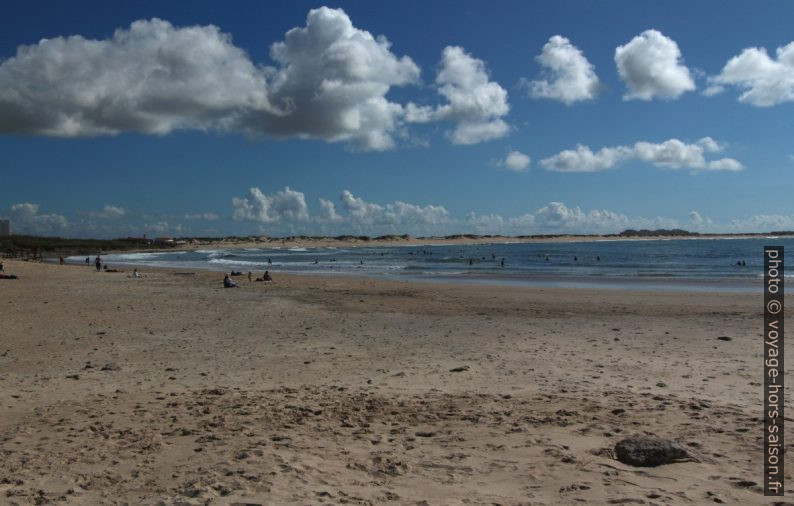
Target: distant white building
{"points": [[5, 227]]}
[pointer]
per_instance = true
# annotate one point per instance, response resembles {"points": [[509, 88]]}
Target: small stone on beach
{"points": [[645, 451]]}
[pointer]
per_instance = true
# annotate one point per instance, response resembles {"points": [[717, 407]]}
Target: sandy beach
{"points": [[172, 390]]}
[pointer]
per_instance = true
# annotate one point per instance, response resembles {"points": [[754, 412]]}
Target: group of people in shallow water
{"points": [[228, 282]]}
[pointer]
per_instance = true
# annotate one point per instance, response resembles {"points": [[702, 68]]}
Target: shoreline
{"points": [[399, 269], [279, 243], [534, 281]]}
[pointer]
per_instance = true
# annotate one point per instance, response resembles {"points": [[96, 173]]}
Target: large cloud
{"points": [[474, 103], [671, 154], [332, 80], [395, 213], [650, 65], [568, 76], [765, 81], [151, 78], [330, 83], [284, 205], [26, 219]]}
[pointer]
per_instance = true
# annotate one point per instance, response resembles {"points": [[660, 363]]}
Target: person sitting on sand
{"points": [[265, 277], [228, 283], [136, 274]]}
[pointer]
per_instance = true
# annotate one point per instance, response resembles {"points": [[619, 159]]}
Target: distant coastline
{"points": [[21, 246]]}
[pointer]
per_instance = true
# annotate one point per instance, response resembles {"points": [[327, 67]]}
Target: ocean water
{"points": [[647, 264]]}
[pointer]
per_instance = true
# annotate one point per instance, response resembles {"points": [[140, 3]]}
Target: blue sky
{"points": [[197, 118]]}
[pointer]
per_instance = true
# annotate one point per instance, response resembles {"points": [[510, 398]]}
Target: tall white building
{"points": [[5, 227]]}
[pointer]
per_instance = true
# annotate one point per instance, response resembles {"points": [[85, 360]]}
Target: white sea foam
{"points": [[120, 257], [229, 261]]}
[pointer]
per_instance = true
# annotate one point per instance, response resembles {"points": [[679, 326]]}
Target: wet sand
{"points": [[170, 389]]}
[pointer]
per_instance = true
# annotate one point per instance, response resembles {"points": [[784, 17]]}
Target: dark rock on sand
{"points": [[725, 338], [460, 369], [645, 451]]}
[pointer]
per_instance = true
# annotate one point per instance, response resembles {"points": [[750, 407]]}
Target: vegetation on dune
{"points": [[26, 245]]}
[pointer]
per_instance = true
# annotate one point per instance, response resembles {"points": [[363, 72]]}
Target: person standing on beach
{"points": [[60, 259], [98, 263]]}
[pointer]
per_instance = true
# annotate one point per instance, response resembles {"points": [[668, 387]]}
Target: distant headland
{"points": [[28, 246]]}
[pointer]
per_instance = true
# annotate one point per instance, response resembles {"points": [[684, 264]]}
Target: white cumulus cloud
{"points": [[395, 213], [330, 82], [26, 219], [163, 227], [284, 205], [474, 103], [725, 164], [583, 159], [558, 216], [651, 66], [696, 218], [710, 145], [484, 223], [764, 223], [567, 75], [516, 161], [328, 212], [109, 213], [151, 78], [671, 154], [202, 216], [764, 81]]}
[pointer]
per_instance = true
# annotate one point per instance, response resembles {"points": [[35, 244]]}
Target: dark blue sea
{"points": [[689, 264]]}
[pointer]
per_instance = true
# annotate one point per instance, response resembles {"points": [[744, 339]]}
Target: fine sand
{"points": [[172, 390]]}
